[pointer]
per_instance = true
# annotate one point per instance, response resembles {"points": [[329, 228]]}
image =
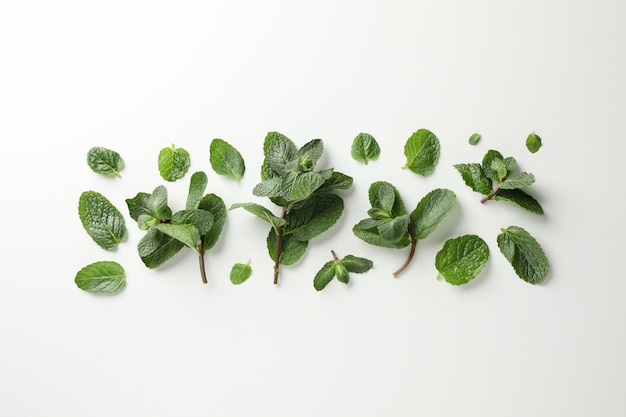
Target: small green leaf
{"points": [[304, 185], [461, 259], [422, 152], [201, 219], [373, 237], [341, 273], [187, 234], [138, 205], [518, 181], [173, 163], [214, 205], [105, 277], [155, 248], [105, 161], [157, 204], [324, 276], [394, 229], [430, 211], [336, 181], [533, 142], [240, 273], [306, 157], [365, 148], [499, 167], [475, 178], [226, 160], [197, 185], [520, 199], [292, 249], [278, 150], [101, 220], [261, 212], [386, 199], [356, 264], [487, 165], [313, 216], [524, 253], [474, 139], [375, 193]]}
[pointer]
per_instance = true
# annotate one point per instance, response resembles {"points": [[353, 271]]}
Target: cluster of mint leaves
{"points": [[309, 205]]}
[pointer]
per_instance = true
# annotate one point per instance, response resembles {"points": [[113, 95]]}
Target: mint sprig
{"points": [[341, 269]]}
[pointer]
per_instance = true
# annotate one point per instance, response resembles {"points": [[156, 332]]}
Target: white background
{"points": [[138, 76]]}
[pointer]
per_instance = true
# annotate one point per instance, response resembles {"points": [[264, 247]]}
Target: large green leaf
{"points": [[188, 234], [422, 152], [518, 181], [104, 277], [520, 199], [292, 249], [173, 163], [365, 148], [314, 216], [155, 248], [105, 161], [487, 164], [373, 237], [430, 211], [226, 160], [138, 205], [475, 177], [101, 220], [214, 205], [324, 276], [524, 253], [304, 185], [461, 259], [197, 185], [278, 150]]}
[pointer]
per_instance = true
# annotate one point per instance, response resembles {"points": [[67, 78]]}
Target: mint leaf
{"points": [[341, 269], [524, 253], [461, 259], [487, 165], [312, 217], [341, 273], [474, 139], [240, 273], [187, 234], [475, 177], [292, 249], [375, 193], [138, 205], [173, 163], [201, 219], [520, 199], [304, 185], [155, 248], [373, 237], [394, 229], [262, 213], [216, 207], [105, 161], [533, 142], [336, 181], [518, 181], [101, 220], [430, 211], [306, 157], [197, 186], [499, 168], [278, 150], [356, 264], [226, 160], [324, 276], [365, 148], [157, 204], [271, 187], [105, 277], [422, 152], [510, 164]]}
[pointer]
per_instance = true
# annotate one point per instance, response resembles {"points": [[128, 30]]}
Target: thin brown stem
{"points": [[202, 267], [490, 196], [279, 248], [411, 255]]}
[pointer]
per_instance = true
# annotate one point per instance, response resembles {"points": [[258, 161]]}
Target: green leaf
{"points": [[197, 186], [520, 199], [374, 193], [105, 161], [105, 277], [422, 152], [336, 181], [488, 159], [341, 273], [533, 142], [475, 177], [101, 220], [524, 254], [157, 204], [461, 259], [240, 273], [155, 248], [430, 211], [324, 276], [188, 234], [292, 249], [356, 264], [278, 150], [214, 205], [262, 213], [314, 216], [371, 223], [138, 205], [474, 139], [306, 157], [146, 221], [304, 185], [173, 163], [499, 167], [201, 219], [373, 237], [226, 160], [510, 164], [271, 187], [386, 199], [518, 181], [365, 148], [394, 229]]}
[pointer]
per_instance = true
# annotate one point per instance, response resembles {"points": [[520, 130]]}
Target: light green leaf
{"points": [[461, 259], [261, 212], [306, 157], [278, 150], [518, 181], [304, 185], [201, 219], [475, 178], [157, 204], [430, 211], [365, 148], [292, 249], [511, 164], [240, 273], [394, 229], [533, 142], [173, 163], [188, 234], [226, 160], [314, 216], [138, 205], [197, 186], [375, 193], [324, 276], [474, 139], [105, 277], [520, 199], [214, 205], [422, 152], [271, 187], [371, 223], [155, 248], [356, 264], [488, 159], [499, 167], [524, 253], [341, 273], [386, 199], [146, 221], [373, 237], [105, 161], [336, 181], [101, 220]]}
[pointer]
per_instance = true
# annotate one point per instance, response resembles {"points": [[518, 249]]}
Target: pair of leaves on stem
{"points": [[305, 195], [495, 169], [389, 225], [341, 269]]}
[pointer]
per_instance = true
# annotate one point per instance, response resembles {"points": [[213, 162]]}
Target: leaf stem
{"points": [[202, 267], [279, 247], [411, 255], [490, 196], [335, 258]]}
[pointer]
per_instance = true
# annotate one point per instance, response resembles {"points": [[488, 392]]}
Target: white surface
{"points": [[138, 76]]}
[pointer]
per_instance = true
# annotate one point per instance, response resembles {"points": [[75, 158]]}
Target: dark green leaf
{"points": [[386, 199], [292, 249], [188, 234], [271, 187], [201, 219], [156, 247], [373, 237], [197, 185], [314, 216], [214, 205], [278, 150], [518, 181], [261, 212], [240, 273], [304, 185], [157, 204], [474, 139], [422, 152], [336, 181], [173, 163], [105, 277], [524, 253], [324, 275], [105, 161], [487, 165], [101, 220], [356, 264], [520, 199], [430, 211], [341, 273], [475, 178], [138, 205], [374, 197], [365, 148], [394, 229], [461, 259], [226, 160], [533, 142]]}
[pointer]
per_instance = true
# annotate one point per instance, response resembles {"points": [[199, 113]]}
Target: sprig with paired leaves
{"points": [[341, 269], [198, 226], [496, 179], [389, 225], [309, 205]]}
